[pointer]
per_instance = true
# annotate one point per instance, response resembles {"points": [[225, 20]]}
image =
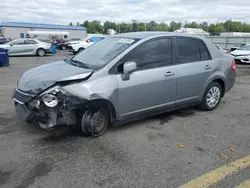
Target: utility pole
{"points": [[228, 25]]}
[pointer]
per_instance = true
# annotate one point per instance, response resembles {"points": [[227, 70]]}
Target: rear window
{"points": [[191, 50]]}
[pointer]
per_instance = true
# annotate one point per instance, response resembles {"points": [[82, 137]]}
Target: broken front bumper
{"points": [[32, 109]]}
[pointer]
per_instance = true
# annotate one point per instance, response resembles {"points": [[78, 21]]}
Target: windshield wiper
{"points": [[79, 64]]}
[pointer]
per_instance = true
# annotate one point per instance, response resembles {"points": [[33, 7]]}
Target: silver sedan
{"points": [[27, 46]]}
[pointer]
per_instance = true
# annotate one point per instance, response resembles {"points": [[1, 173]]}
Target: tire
{"points": [[212, 96], [63, 48], [41, 52], [95, 121], [80, 50]]}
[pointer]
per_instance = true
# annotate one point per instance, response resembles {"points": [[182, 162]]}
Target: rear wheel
{"points": [[41, 52], [212, 97], [95, 121], [80, 50]]}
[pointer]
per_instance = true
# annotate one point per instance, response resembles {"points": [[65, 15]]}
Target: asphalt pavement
{"points": [[167, 150]]}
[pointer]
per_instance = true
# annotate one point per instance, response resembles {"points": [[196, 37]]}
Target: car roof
{"points": [[142, 35]]}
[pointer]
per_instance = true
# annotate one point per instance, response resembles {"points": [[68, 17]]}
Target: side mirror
{"points": [[128, 68]]}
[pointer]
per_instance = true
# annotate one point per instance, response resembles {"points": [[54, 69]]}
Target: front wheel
{"points": [[95, 121], [41, 52], [80, 50], [212, 97]]}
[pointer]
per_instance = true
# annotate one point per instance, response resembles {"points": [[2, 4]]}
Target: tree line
{"points": [[227, 26]]}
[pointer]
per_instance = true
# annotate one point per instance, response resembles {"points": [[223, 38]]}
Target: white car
{"points": [[78, 46], [222, 50], [242, 54], [27, 46]]}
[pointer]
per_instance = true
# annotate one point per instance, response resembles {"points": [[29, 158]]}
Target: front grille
{"points": [[21, 97], [70, 47]]}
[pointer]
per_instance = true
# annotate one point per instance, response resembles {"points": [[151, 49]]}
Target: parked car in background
{"points": [[27, 46], [237, 46], [78, 46], [125, 77], [242, 54], [64, 45], [222, 50], [4, 40]]}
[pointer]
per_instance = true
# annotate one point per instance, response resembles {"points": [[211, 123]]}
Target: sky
{"points": [[66, 11]]}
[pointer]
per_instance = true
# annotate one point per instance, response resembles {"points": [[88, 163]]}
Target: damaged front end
{"points": [[50, 108]]}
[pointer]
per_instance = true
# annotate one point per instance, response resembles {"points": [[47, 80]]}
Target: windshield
{"points": [[245, 47], [101, 53]]}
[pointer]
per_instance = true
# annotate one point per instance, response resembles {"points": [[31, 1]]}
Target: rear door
{"points": [[194, 67], [152, 87], [30, 45]]}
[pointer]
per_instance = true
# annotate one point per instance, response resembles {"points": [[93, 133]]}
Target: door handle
{"points": [[169, 73], [207, 67]]}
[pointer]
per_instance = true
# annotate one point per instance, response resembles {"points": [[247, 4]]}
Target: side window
{"points": [[205, 55], [188, 50], [155, 53], [30, 42], [18, 42]]}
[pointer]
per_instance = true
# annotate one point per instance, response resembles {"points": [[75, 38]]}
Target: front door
{"points": [[152, 87], [17, 47], [194, 67]]}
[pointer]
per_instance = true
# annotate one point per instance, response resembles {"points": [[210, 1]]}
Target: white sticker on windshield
{"points": [[128, 41]]}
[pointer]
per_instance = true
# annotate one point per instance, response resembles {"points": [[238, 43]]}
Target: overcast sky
{"points": [[65, 11]]}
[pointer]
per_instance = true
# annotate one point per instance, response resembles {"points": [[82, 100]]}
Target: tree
{"points": [[204, 26], [174, 26], [162, 27], [192, 25], [70, 24], [229, 25], [135, 25], [77, 24], [109, 25]]}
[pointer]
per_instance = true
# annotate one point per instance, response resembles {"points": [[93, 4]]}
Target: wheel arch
{"points": [[216, 78], [222, 84], [105, 102]]}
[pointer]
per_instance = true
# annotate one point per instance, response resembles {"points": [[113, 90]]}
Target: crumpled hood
{"points": [[37, 79], [240, 52]]}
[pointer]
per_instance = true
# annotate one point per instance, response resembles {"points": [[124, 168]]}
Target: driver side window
{"points": [[152, 54]]}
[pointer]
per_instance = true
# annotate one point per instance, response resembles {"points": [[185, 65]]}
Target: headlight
{"points": [[50, 100]]}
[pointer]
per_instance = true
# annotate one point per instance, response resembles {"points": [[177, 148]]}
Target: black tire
{"points": [[91, 125], [205, 104], [80, 50], [41, 52]]}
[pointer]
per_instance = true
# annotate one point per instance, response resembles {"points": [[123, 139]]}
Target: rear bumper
{"points": [[230, 81]]}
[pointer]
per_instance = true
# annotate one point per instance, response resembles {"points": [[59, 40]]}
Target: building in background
{"points": [[19, 30]]}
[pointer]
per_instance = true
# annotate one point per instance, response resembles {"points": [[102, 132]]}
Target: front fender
{"points": [[98, 88]]}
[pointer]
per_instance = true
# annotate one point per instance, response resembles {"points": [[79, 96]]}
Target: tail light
{"points": [[233, 65]]}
